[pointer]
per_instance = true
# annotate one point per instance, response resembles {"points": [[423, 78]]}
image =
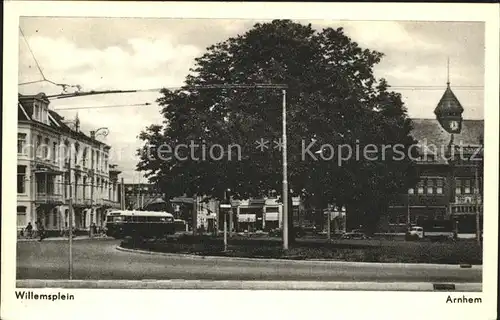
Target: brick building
{"points": [[450, 174]]}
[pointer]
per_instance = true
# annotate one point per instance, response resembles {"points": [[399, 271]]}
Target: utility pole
{"points": [[476, 200], [138, 195], [92, 191], [122, 195], [408, 218], [225, 230], [70, 216], [328, 221], [285, 177]]}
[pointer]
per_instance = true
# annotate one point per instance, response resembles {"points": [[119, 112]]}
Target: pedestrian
{"points": [[29, 230], [41, 231]]}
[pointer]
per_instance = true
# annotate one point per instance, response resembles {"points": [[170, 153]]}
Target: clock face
{"points": [[454, 125]]}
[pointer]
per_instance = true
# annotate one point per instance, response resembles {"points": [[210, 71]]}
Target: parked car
{"points": [[415, 233], [299, 232], [355, 234]]}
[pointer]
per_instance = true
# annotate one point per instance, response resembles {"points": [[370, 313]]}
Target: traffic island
{"points": [[456, 253]]}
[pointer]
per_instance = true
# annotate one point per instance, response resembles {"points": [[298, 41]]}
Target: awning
{"points": [[246, 217], [272, 216]]}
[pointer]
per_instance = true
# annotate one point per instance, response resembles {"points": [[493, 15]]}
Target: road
{"points": [[100, 260]]}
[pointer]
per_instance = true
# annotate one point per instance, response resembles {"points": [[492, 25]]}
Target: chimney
{"points": [[77, 123]]}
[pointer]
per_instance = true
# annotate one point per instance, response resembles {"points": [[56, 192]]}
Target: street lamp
{"points": [[103, 131], [283, 88]]}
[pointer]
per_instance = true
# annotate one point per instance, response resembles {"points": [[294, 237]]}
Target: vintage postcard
{"points": [[250, 160]]}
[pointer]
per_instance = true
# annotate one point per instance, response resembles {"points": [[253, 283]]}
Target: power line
{"points": [[143, 105], [103, 107], [32, 54], [44, 79], [222, 86]]}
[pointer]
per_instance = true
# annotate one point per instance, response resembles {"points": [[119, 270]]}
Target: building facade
{"points": [[141, 195], [56, 163], [449, 167]]}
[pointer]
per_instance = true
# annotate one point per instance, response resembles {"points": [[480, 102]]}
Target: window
{"points": [[54, 217], [21, 142], [35, 111], [38, 145], [50, 184], [411, 191], [467, 187], [21, 179], [21, 216], [84, 157], [458, 186], [54, 151], [420, 189], [439, 186], [65, 184], [430, 186], [84, 187], [40, 184], [46, 147], [77, 149]]}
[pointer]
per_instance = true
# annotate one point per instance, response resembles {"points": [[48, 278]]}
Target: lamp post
{"points": [[283, 88], [102, 131], [476, 200]]}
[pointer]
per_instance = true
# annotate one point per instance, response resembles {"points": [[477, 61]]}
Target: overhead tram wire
{"points": [[213, 86], [105, 107], [223, 86], [44, 79]]}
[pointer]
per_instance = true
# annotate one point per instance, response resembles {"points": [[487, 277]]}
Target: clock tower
{"points": [[449, 111]]}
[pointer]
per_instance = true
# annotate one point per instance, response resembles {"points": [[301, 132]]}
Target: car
{"points": [[299, 232], [355, 235], [414, 233]]}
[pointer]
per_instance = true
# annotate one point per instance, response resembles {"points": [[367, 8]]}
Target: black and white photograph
{"points": [[279, 153]]}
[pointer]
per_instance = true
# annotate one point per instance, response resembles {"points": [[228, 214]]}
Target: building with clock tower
{"points": [[450, 171]]}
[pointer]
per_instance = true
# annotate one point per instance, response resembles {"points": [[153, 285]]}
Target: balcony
{"points": [[82, 202], [49, 198], [466, 209], [110, 203], [468, 199]]}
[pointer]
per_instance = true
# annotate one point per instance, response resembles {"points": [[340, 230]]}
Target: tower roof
{"points": [[449, 104]]}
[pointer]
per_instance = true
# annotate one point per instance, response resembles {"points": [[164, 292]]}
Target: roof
{"points": [[141, 213], [432, 137], [25, 112], [430, 132], [448, 104]]}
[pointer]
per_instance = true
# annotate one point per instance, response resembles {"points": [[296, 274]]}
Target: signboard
{"points": [[225, 206]]}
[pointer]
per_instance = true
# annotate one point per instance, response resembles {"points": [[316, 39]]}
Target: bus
{"points": [[139, 224], [180, 225]]}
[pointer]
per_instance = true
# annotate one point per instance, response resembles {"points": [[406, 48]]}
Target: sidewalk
{"points": [[65, 238], [250, 285]]}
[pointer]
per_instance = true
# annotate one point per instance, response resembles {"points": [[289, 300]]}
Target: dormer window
{"points": [[41, 111]]}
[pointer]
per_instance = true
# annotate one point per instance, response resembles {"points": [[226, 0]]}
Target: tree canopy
{"points": [[333, 99]]}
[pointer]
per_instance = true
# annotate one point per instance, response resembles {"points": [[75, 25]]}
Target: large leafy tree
{"points": [[333, 99]]}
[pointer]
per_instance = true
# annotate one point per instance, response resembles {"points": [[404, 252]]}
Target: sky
{"points": [[145, 53]]}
